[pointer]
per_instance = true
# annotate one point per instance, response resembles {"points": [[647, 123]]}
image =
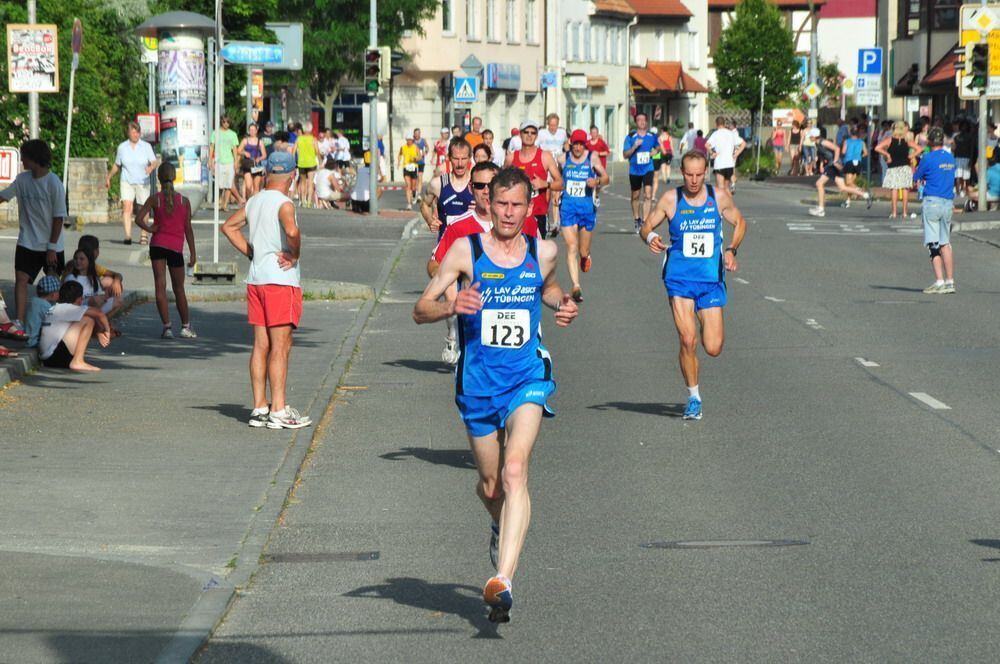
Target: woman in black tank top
{"points": [[794, 147], [897, 149]]}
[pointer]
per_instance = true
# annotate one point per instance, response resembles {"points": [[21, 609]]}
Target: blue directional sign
{"points": [[252, 53], [466, 89], [870, 61]]}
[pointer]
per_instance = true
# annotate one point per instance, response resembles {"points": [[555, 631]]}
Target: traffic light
{"points": [[373, 70], [385, 64], [978, 65]]}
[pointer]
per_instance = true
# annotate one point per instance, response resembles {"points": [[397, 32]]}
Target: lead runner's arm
{"points": [[734, 217], [428, 308], [553, 295], [664, 208]]}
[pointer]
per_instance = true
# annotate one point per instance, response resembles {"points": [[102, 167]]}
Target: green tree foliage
{"points": [[757, 43], [338, 37], [110, 82]]}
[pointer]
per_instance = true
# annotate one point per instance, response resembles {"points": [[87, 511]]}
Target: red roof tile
{"points": [[660, 8], [665, 77], [614, 7]]}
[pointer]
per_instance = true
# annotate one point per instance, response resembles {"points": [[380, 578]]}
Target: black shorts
{"points": [[32, 262], [306, 171], [727, 173], [637, 182], [852, 168], [667, 158], [173, 258], [360, 206], [420, 167], [343, 164], [413, 175], [543, 224], [833, 171], [60, 358]]}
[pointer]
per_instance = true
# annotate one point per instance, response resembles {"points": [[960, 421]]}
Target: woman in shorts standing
{"points": [[794, 147], [898, 149], [170, 228], [252, 154], [306, 150], [809, 137], [778, 145]]}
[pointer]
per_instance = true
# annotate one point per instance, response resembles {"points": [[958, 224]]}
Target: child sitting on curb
{"points": [[68, 328], [47, 294]]}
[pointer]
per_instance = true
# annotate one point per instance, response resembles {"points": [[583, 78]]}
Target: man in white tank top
{"points": [[274, 293]]}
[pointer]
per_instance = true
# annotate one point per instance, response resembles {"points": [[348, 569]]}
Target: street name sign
{"points": [[252, 53]]}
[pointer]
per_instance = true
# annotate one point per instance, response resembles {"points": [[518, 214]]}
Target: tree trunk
{"points": [[327, 101]]}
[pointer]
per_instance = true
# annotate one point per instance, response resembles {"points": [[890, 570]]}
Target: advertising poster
{"points": [[184, 143], [32, 58], [258, 89], [182, 77]]}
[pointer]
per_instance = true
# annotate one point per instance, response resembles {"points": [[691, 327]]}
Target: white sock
{"points": [[260, 411], [939, 282], [950, 282], [693, 392], [452, 323]]}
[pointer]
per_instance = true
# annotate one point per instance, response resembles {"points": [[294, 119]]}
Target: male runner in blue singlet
{"points": [[504, 374], [695, 264], [582, 175]]}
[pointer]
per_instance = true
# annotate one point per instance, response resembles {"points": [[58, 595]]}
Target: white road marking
{"points": [[8, 237], [811, 322], [742, 280], [930, 401], [866, 363], [773, 299]]}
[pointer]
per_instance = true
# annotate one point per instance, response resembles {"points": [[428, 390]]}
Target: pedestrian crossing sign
{"points": [[466, 89]]}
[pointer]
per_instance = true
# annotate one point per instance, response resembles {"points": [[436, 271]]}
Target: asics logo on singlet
{"points": [[528, 275], [534, 393], [509, 294]]}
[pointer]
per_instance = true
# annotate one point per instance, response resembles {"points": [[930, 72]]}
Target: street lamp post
{"points": [[32, 96], [373, 163]]}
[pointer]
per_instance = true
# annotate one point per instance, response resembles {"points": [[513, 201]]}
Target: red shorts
{"points": [[272, 305]]}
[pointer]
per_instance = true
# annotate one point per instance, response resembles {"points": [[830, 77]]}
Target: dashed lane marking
{"points": [[773, 299], [927, 399], [811, 322], [742, 280], [866, 363]]}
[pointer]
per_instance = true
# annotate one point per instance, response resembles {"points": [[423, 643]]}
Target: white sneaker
{"points": [[167, 333], [187, 332], [288, 418], [450, 353], [846, 203], [948, 289], [817, 212], [935, 289]]}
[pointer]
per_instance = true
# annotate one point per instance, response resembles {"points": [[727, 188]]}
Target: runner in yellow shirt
{"points": [[305, 151], [409, 157]]}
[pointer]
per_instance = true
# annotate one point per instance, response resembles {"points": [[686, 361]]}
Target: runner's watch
{"points": [[732, 249]]}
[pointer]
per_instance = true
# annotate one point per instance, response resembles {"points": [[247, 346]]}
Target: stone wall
{"points": [[88, 198]]}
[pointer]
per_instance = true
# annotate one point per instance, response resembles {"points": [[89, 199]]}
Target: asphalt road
{"points": [[837, 502]]}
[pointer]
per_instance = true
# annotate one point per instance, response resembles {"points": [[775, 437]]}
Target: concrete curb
{"points": [[977, 226], [312, 289], [210, 609]]}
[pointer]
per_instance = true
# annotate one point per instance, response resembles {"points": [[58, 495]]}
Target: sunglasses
{"points": [[480, 185], [529, 131]]}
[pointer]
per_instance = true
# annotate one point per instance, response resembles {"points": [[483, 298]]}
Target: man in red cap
{"points": [[582, 174]]}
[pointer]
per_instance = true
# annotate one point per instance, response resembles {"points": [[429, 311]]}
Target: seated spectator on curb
{"points": [[84, 272], [361, 196], [170, 228], [47, 292], [329, 185], [7, 327], [68, 328], [111, 281]]}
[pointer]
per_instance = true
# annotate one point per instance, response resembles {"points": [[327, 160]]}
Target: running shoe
{"points": [[494, 544], [585, 263], [577, 294], [869, 199], [288, 418], [948, 289], [846, 203], [693, 410], [258, 418], [167, 333], [497, 594], [817, 212], [450, 353], [597, 200], [638, 225], [935, 289], [187, 332]]}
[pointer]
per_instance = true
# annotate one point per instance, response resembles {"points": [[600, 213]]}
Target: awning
{"points": [[665, 77], [597, 81], [904, 86], [943, 73]]}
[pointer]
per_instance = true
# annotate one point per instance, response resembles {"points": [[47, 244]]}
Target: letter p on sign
{"points": [[869, 61]]}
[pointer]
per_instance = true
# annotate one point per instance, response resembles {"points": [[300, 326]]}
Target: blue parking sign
{"points": [[870, 61]]}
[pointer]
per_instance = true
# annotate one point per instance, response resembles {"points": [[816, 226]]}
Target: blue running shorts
{"points": [[484, 415], [706, 295], [571, 217]]}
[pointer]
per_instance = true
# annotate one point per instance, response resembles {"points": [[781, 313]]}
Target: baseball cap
{"points": [[445, 130], [935, 136], [280, 162], [528, 123], [578, 136], [515, 131], [47, 284], [409, 135]]}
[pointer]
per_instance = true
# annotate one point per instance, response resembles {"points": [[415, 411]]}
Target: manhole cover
{"points": [[719, 544]]}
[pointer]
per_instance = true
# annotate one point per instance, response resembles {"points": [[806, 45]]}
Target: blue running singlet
{"points": [[502, 344], [577, 197], [695, 250], [452, 204]]}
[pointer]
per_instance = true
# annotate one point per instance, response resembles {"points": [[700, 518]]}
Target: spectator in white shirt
{"points": [[68, 328], [136, 160], [725, 146]]}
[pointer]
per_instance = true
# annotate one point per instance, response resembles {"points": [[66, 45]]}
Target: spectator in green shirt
{"points": [[223, 162]]}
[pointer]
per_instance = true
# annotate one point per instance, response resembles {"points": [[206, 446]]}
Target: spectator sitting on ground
{"points": [[329, 185], [111, 281], [361, 196], [68, 328], [47, 294], [84, 272]]}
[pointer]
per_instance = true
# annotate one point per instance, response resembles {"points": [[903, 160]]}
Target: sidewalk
{"points": [[136, 500]]}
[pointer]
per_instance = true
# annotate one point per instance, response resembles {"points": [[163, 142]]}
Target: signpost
{"points": [[869, 88], [466, 89], [77, 44], [979, 25]]}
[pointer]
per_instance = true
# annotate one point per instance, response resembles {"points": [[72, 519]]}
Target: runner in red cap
{"points": [[583, 174]]}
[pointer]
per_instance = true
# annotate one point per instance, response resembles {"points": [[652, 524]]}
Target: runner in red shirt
{"points": [[544, 173], [597, 146]]}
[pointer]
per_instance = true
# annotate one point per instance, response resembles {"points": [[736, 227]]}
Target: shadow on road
{"points": [[462, 601], [656, 408], [901, 289], [990, 544], [454, 458], [422, 365], [234, 411]]}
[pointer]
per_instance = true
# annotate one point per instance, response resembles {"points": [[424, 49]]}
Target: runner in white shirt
{"points": [[687, 142], [724, 147], [554, 140]]}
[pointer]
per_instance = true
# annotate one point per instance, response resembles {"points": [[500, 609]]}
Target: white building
{"points": [[586, 82]]}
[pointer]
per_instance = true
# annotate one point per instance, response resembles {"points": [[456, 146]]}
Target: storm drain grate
{"points": [[347, 556], [720, 544]]}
